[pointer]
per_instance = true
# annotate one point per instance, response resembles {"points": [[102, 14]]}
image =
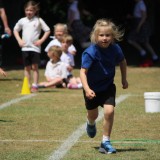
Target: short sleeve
{"points": [[72, 48], [18, 25], [120, 56], [87, 60], [44, 26]]}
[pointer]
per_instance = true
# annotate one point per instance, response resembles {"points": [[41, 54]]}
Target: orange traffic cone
{"points": [[25, 87]]}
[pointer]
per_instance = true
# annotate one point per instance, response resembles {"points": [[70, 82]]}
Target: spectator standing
{"points": [[97, 76], [31, 27], [140, 33], [6, 27], [77, 28]]}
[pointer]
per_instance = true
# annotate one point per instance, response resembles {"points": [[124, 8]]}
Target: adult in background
{"points": [[5, 26], [140, 33], [77, 28]]}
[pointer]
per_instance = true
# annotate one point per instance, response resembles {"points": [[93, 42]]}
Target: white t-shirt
{"points": [[54, 70], [68, 59], [55, 42], [31, 30]]}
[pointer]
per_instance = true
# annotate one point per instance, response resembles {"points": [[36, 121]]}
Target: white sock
{"points": [[79, 85], [34, 85], [105, 138], [91, 123]]}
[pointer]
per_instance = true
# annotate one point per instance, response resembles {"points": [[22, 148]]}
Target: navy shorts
{"points": [[30, 57], [105, 97]]}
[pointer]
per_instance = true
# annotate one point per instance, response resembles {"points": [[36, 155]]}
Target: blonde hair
{"points": [[56, 51], [115, 30], [35, 6], [61, 25], [67, 38]]}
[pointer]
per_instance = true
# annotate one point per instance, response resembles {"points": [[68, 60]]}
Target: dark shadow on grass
{"points": [[1, 120], [126, 150], [131, 150], [47, 91], [11, 79]]}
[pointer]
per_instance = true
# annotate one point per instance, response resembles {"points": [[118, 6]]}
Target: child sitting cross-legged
{"points": [[56, 70]]}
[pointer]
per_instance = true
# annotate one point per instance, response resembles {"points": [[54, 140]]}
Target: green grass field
{"points": [[35, 128]]}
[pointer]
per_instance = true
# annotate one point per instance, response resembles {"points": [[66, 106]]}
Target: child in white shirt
{"points": [[31, 27], [59, 30], [56, 70], [72, 82]]}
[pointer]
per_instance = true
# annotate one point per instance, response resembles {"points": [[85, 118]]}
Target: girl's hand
{"points": [[21, 43], [124, 84], [8, 31], [37, 43], [90, 94]]}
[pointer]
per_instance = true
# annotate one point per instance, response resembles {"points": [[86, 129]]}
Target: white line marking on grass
{"points": [[73, 138], [7, 104]]}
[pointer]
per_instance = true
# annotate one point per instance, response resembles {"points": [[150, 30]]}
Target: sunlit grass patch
{"points": [[34, 128]]}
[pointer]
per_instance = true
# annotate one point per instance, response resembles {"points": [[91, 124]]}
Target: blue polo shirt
{"points": [[101, 63]]}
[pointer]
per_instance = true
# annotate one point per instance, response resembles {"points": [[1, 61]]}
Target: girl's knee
{"points": [[93, 116]]}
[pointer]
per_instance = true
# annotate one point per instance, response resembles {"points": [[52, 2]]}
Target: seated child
{"points": [[72, 82], [56, 70], [59, 30]]}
